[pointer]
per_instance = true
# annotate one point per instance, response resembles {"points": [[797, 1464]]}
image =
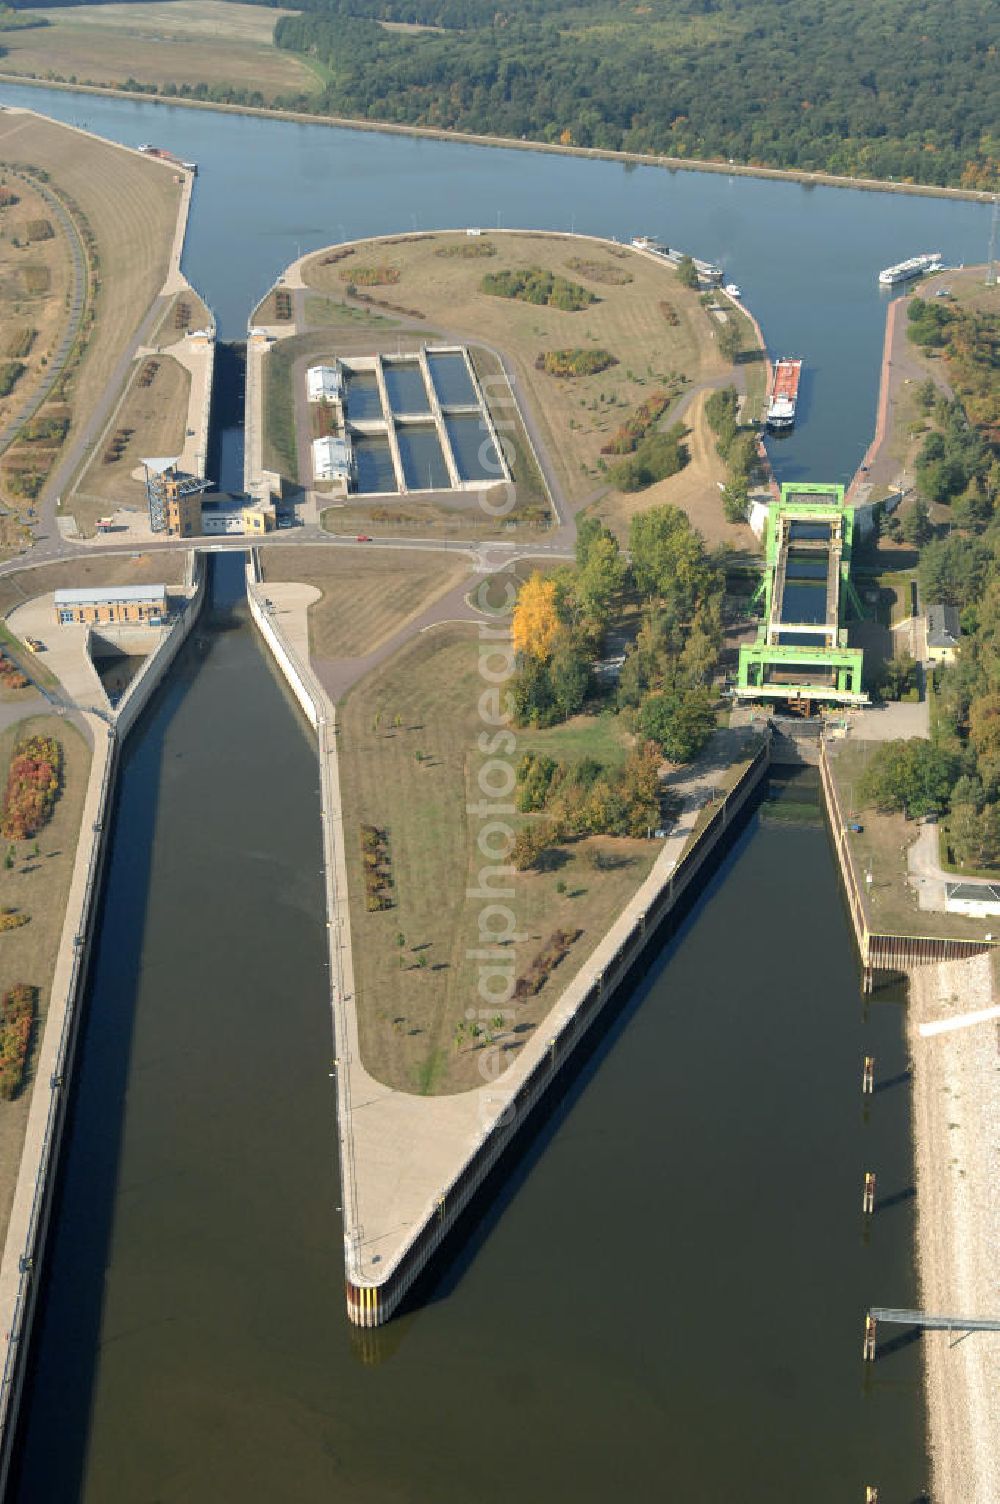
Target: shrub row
{"points": [[630, 435], [670, 313], [575, 362], [467, 250], [366, 297], [10, 675], [11, 372], [19, 343], [376, 861], [32, 787], [533, 285], [46, 428], [17, 1020], [552, 953], [371, 276]]}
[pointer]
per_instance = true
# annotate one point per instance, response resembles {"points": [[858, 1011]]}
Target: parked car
{"points": [[364, 538]]}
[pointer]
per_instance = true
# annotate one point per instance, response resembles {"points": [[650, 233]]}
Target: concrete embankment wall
{"points": [[201, 418], [372, 1304], [881, 952], [20, 1270]]}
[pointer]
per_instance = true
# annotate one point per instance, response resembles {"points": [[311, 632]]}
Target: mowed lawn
{"points": [[655, 327], [409, 1007], [37, 886], [179, 42], [156, 416], [130, 204], [366, 596], [29, 307]]}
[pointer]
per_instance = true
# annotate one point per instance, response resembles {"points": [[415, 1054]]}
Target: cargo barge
{"points": [[784, 394], [162, 155]]}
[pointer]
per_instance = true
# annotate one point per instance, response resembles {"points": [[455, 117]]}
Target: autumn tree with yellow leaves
{"points": [[536, 619]]}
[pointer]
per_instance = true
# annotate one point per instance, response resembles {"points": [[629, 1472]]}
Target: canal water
{"points": [[665, 1297], [664, 1301], [806, 257]]}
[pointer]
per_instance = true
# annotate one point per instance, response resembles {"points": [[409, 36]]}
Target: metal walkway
{"points": [[940, 1323]]}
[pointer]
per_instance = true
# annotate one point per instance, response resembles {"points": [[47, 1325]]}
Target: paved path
{"points": [[928, 877]]}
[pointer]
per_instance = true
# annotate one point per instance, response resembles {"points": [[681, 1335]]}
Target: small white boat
{"points": [[733, 290]]}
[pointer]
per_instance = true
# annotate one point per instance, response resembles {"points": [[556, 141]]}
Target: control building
{"points": [[124, 605]]}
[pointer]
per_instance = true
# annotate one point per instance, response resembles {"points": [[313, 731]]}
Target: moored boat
{"points": [[784, 393], [929, 261]]}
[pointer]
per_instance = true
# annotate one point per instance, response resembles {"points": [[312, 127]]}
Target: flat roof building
{"points": [[332, 460], [324, 383], [977, 900], [144, 604]]}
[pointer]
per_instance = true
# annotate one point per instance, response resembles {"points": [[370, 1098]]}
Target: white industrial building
{"points": [[325, 383], [332, 461], [977, 900]]}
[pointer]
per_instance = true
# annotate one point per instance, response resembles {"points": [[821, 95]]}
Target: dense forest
{"points": [[894, 90]]}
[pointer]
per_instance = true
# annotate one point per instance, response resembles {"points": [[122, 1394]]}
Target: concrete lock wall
{"points": [[26, 1238]]}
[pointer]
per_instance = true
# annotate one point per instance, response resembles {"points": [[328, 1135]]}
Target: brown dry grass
{"points": [[157, 414], [168, 332], [366, 597], [187, 41], [131, 204], [37, 886], [166, 566], [44, 312], [408, 1013], [575, 417]]}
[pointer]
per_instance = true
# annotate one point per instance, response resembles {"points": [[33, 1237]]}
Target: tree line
{"points": [[957, 772], [895, 91]]}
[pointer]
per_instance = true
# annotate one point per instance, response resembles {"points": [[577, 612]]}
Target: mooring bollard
{"points": [[868, 1076], [868, 1199], [868, 1351]]}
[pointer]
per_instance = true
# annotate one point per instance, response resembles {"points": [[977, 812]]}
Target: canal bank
{"points": [[24, 1249], [516, 143], [676, 1255]]}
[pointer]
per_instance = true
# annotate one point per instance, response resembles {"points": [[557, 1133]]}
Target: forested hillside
{"points": [[890, 90], [894, 90]]}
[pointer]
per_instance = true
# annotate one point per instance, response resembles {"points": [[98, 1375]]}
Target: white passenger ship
{"points": [[904, 270]]}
